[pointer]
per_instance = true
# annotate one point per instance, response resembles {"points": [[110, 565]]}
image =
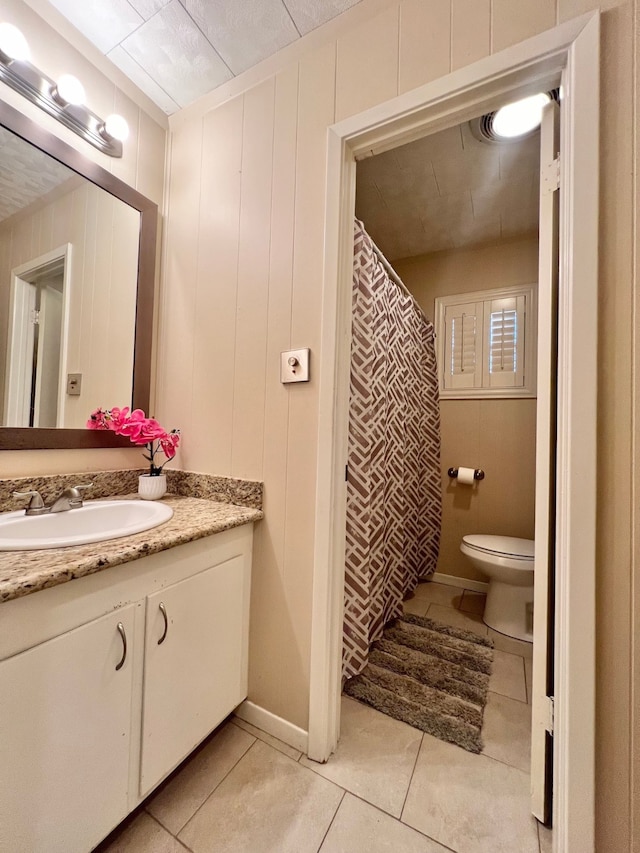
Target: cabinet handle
{"points": [[163, 610], [121, 631]]}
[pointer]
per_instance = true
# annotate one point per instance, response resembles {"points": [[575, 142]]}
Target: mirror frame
{"points": [[33, 438]]}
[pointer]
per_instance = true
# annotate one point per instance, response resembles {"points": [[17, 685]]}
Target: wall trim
{"points": [[461, 583], [273, 725]]}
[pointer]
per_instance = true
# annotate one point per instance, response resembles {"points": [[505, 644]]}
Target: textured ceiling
{"points": [[26, 174], [448, 190], [178, 50]]}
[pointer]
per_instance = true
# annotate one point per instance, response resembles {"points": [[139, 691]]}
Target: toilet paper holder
{"points": [[478, 473]]}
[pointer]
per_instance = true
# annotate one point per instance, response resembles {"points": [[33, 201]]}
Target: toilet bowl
{"points": [[509, 564]]}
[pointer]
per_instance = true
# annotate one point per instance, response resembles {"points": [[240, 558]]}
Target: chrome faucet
{"points": [[70, 498], [36, 504]]}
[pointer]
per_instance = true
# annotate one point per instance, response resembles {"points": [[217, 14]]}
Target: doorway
{"points": [[456, 215], [567, 55], [37, 349]]}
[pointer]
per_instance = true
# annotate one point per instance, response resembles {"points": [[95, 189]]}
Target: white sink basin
{"points": [[93, 522]]}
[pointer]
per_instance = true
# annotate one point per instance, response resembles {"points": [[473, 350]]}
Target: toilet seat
{"points": [[501, 546]]}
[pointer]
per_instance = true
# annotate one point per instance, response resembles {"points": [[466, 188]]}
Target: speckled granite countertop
{"points": [[24, 572]]}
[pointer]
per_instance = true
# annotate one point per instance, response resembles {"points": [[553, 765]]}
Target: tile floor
{"points": [[388, 787]]}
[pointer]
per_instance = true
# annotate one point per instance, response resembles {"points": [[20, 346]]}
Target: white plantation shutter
{"points": [[464, 329], [483, 347], [504, 333]]}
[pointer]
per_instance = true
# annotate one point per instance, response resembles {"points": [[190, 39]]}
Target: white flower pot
{"points": [[152, 488]]}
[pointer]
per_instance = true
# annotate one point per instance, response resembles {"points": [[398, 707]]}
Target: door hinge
{"points": [[550, 714], [35, 317], [550, 176]]}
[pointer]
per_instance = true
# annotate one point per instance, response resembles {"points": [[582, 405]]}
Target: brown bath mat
{"points": [[429, 675]]}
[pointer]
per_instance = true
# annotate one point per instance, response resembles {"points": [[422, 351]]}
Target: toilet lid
{"points": [[506, 546]]}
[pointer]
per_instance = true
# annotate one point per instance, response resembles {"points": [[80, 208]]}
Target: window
{"points": [[486, 343]]}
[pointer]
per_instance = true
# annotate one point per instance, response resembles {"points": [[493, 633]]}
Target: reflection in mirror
{"points": [[77, 256], [68, 279]]}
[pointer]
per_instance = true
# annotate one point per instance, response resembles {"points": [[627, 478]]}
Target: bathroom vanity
{"points": [[108, 682]]}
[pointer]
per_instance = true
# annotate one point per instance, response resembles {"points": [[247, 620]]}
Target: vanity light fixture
{"points": [[68, 90], [13, 45], [63, 99], [115, 127]]}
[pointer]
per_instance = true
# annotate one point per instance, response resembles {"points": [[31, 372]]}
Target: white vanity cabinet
{"points": [[195, 664], [65, 730], [83, 743]]}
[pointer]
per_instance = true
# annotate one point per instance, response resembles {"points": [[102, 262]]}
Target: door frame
{"points": [[570, 53], [19, 342]]}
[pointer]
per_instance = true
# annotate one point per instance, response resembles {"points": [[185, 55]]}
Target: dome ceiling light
{"points": [[520, 117], [515, 121]]}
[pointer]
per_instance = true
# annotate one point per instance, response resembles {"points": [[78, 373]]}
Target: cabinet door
{"points": [[197, 674], [65, 720]]}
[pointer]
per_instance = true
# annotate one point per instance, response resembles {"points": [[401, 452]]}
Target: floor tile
{"points": [[468, 621], [473, 602], [267, 803], [280, 745], [470, 803], [142, 835], [508, 644], [528, 677], [183, 794], [507, 675], [506, 731], [361, 828], [439, 593], [546, 839], [416, 606], [374, 758]]}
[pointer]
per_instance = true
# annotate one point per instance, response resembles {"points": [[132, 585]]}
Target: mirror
{"points": [[77, 255]]}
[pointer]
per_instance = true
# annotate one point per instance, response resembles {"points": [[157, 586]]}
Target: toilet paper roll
{"points": [[465, 476]]}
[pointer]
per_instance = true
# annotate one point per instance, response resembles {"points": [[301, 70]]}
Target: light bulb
{"points": [[12, 43], [520, 117], [69, 90], [116, 127]]}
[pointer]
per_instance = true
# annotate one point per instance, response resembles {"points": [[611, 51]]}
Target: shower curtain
{"points": [[394, 501]]}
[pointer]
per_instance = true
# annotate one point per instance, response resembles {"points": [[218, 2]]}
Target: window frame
{"points": [[529, 350]]}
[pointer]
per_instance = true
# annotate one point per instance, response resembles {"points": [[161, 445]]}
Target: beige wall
{"points": [[243, 279], [103, 233], [495, 435], [142, 166]]}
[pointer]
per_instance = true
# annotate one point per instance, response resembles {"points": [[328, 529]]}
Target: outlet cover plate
{"points": [[294, 365]]}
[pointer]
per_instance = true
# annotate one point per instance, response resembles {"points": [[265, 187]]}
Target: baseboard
{"points": [[462, 583], [273, 725]]}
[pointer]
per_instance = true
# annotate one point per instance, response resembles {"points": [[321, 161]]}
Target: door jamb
{"points": [[18, 314], [570, 50]]}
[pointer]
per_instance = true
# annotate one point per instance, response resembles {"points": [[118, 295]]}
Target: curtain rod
{"points": [[394, 275]]}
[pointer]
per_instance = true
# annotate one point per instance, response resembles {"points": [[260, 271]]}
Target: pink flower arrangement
{"points": [[140, 430]]}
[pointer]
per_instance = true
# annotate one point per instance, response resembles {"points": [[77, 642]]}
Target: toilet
{"points": [[509, 563]]}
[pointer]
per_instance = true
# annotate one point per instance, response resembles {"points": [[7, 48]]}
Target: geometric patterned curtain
{"points": [[394, 498]]}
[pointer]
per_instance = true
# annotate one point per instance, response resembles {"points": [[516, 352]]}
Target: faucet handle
{"points": [[74, 493], [36, 502]]}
